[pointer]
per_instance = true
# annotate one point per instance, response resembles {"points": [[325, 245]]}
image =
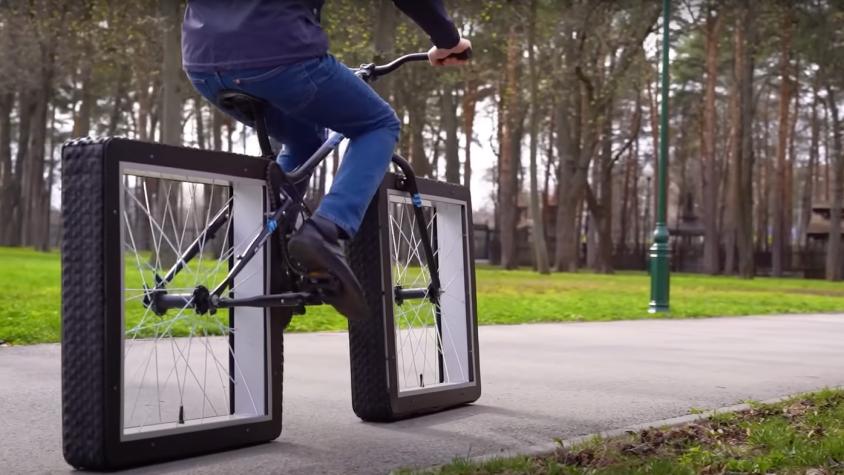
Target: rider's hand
{"points": [[440, 56]]}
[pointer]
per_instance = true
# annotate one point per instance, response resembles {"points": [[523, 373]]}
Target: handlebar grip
{"points": [[464, 55]]}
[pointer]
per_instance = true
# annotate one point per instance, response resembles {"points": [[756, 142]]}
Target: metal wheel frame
{"points": [[390, 402]]}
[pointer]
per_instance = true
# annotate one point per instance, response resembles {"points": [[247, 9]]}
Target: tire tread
{"points": [[367, 338], [83, 305]]}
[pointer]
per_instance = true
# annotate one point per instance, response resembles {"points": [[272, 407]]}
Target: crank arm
{"points": [[286, 300]]}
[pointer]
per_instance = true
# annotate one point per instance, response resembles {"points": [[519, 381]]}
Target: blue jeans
{"points": [[306, 98]]}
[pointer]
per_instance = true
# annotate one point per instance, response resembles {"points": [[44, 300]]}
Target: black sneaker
{"points": [[316, 247]]}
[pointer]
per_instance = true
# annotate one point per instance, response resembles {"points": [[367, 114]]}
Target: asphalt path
{"points": [[540, 382]]}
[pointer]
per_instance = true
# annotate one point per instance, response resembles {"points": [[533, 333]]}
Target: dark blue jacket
{"points": [[241, 34]]}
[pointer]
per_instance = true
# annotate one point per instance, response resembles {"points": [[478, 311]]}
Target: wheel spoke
{"points": [[181, 367], [425, 331]]}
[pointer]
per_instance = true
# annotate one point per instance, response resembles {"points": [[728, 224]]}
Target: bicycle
{"points": [[177, 288]]}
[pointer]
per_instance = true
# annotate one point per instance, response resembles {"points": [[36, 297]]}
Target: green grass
{"points": [[804, 434], [30, 299]]}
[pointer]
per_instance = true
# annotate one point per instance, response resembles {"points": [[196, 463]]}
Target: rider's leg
{"points": [[323, 91], [327, 93], [300, 140]]}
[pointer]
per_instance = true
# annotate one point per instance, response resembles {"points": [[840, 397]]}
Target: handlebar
{"points": [[371, 71]]}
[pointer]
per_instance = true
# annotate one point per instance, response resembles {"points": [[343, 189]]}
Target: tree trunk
{"points": [[600, 206], [636, 212], [711, 243], [142, 122], [7, 178], [82, 118], [599, 250], [416, 112], [200, 122], [743, 142], [826, 146], [549, 166], [26, 111], [470, 100], [833, 251], [118, 101], [435, 152], [779, 235], [594, 88], [621, 245], [171, 109], [384, 42], [736, 164], [171, 74], [42, 242], [448, 106], [571, 178], [806, 197], [540, 248], [508, 170], [216, 129], [33, 185], [791, 163], [230, 126]]}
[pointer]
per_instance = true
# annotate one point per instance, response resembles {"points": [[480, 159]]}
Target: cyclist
{"points": [[277, 51]]}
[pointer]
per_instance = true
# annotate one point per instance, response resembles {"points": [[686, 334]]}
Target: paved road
{"points": [[540, 382]]}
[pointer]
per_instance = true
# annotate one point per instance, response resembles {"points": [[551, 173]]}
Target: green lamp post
{"points": [[660, 253]]}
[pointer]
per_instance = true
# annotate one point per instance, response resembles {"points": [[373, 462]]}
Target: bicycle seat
{"points": [[244, 104], [249, 109]]}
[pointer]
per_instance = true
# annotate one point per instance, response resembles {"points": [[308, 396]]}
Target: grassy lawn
{"points": [[804, 435], [30, 301]]}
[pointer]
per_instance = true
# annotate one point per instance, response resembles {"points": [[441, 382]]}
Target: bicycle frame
{"points": [[204, 300]]}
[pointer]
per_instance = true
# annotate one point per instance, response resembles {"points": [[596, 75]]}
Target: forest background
{"points": [[553, 125]]}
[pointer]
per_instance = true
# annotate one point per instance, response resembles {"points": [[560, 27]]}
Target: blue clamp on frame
{"points": [[417, 200]]}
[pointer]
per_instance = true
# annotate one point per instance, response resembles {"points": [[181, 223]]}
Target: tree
{"points": [[808, 189], [172, 77], [448, 104], [586, 89], [833, 253], [539, 245], [710, 178], [822, 43], [740, 202], [780, 181], [509, 154]]}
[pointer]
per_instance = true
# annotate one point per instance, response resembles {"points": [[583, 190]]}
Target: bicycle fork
{"points": [[408, 183]]}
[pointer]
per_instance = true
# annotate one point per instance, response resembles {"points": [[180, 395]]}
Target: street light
{"points": [[659, 252]]}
